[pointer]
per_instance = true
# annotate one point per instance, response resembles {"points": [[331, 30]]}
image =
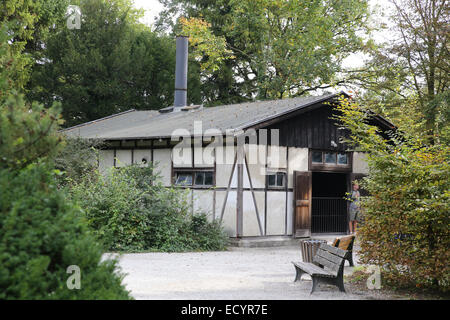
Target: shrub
{"points": [[130, 210], [406, 226], [41, 234], [77, 159]]}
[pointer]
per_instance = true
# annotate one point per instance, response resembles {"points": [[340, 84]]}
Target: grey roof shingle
{"points": [[134, 124]]}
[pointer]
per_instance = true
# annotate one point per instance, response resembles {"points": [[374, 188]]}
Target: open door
{"points": [[302, 204]]}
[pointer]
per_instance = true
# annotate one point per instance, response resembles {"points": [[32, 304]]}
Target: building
{"points": [[296, 187], [270, 168]]}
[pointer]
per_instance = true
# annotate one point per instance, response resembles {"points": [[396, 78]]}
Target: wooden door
{"points": [[302, 204]]}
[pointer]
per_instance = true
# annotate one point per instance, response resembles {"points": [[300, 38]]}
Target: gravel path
{"points": [[239, 273]]}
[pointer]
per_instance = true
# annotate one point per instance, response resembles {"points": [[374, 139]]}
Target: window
{"points": [[329, 160], [276, 179], [183, 179], [330, 157], [316, 156], [342, 158], [203, 178], [194, 178]]}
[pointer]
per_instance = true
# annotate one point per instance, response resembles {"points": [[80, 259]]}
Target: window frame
{"points": [[333, 167], [193, 172], [276, 173]]}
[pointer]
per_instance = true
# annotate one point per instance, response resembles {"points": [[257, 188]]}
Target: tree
{"points": [[42, 232], [27, 132], [277, 48], [111, 64], [412, 72], [405, 217], [29, 22]]}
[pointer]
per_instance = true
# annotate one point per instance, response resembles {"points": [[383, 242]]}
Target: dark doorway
{"points": [[329, 208]]}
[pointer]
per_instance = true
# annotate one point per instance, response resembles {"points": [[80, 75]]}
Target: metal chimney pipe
{"points": [[181, 68]]}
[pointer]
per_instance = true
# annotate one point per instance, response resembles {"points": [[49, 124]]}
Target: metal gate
{"points": [[328, 215]]}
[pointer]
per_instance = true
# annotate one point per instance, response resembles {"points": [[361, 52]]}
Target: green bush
{"points": [[41, 234], [130, 210], [406, 217], [77, 160]]}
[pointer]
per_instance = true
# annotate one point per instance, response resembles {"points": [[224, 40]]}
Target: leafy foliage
{"points": [[27, 133], [29, 22], [406, 216], [206, 43], [111, 64], [130, 210], [77, 160], [280, 48], [408, 77], [41, 234]]}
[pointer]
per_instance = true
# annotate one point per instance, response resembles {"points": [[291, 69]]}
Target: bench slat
{"points": [[313, 270], [329, 256], [331, 267], [324, 262], [339, 252], [345, 243]]}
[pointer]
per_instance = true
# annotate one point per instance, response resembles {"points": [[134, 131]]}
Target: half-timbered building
{"points": [[267, 168], [295, 187]]}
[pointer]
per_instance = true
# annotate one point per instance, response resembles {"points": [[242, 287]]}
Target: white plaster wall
{"points": [[140, 154], [276, 212], [256, 160], [290, 213], [105, 160], [182, 157], [229, 216], [204, 157], [223, 167], [360, 163], [276, 157], [225, 155], [123, 158], [204, 201], [250, 222], [162, 159], [298, 161]]}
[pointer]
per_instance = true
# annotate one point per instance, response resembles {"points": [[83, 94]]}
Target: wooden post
{"points": [[240, 192]]}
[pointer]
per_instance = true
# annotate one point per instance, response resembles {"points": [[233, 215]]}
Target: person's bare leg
{"points": [[350, 226]]}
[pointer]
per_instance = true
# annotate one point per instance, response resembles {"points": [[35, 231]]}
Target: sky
{"points": [[153, 7]]}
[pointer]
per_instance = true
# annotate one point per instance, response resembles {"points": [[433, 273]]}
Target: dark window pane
{"points": [[199, 178], [280, 178], [330, 157], [209, 178], [316, 156], [271, 180], [342, 158]]}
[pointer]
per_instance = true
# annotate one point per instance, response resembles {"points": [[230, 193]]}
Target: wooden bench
{"points": [[346, 243], [327, 266]]}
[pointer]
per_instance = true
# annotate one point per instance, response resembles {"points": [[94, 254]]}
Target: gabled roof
{"points": [[134, 124]]}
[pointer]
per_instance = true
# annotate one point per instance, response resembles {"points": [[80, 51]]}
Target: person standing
{"points": [[355, 209]]}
